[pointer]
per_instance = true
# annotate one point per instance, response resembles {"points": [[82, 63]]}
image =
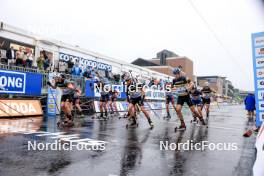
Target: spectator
{"points": [[19, 57], [24, 61], [40, 61], [89, 73], [50, 57], [250, 105], [70, 65], [30, 59], [11, 56], [46, 63], [76, 70]]}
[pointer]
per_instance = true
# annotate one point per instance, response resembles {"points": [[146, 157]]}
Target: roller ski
{"points": [[65, 122], [132, 124], [103, 117], [202, 123], [182, 127], [168, 116], [194, 120], [124, 116]]}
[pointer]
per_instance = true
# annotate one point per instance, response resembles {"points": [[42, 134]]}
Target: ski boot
{"points": [[151, 124], [133, 123], [101, 115], [81, 115], [168, 116], [182, 127], [112, 113], [202, 123], [194, 120], [66, 122], [106, 116], [207, 115]]}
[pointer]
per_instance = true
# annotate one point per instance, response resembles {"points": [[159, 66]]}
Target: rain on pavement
{"points": [[132, 151]]}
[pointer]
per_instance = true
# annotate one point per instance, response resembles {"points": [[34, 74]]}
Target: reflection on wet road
{"points": [[128, 151]]}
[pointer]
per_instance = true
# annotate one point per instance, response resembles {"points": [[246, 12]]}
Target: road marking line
{"points": [[51, 134], [65, 136]]}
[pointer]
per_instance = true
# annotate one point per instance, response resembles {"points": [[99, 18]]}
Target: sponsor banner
{"points": [[259, 41], [259, 52], [258, 61], [155, 95], [261, 94], [261, 105], [52, 96], [14, 108], [13, 82], [260, 73], [123, 106], [84, 62], [260, 83]]}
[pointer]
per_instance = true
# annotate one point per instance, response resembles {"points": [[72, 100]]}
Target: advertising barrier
{"points": [[258, 66], [155, 95], [16, 108], [52, 97], [14, 82], [123, 106], [84, 62]]}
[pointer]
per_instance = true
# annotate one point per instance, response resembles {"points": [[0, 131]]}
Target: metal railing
{"points": [[78, 80]]}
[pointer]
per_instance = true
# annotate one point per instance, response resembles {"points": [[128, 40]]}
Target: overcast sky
{"points": [[215, 34]]}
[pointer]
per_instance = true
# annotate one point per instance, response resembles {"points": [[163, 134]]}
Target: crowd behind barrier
{"points": [[78, 77]]}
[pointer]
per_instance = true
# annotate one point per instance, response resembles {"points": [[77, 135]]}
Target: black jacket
{"points": [[9, 54]]}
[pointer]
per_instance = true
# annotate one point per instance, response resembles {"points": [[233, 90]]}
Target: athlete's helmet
{"points": [[176, 70]]}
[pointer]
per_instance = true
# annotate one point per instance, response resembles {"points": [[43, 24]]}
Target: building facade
{"points": [[165, 62]]}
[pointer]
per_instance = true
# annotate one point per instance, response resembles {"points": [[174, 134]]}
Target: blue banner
{"points": [[258, 67], [84, 62], [14, 82]]}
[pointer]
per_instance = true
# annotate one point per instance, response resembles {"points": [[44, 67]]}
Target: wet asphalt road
{"points": [[133, 151]]}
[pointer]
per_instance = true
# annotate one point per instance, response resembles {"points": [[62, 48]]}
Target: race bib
{"points": [[180, 90], [207, 95]]}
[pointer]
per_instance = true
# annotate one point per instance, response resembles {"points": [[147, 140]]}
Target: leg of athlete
{"points": [[199, 110], [105, 107], [192, 108], [101, 109], [146, 115], [111, 106], [207, 109], [180, 116], [115, 107]]}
